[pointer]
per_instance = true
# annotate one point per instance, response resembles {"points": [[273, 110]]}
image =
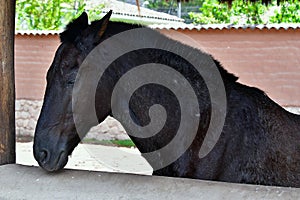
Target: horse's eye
{"points": [[71, 82]]}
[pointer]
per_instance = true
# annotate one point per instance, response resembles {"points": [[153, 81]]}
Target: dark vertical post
{"points": [[7, 82]]}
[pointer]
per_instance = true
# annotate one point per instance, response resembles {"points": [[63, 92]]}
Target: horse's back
{"points": [[260, 140], [258, 144]]}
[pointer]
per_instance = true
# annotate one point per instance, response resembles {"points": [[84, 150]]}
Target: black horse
{"points": [[259, 143]]}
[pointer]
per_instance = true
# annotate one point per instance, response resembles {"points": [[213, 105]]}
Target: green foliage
{"points": [[212, 12], [55, 14], [289, 12], [49, 14], [240, 12], [250, 12], [159, 4], [94, 14], [245, 12], [155, 4]]}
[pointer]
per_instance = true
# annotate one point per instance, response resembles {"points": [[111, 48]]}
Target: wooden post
{"points": [[7, 82]]}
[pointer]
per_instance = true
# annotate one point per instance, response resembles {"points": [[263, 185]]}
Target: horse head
{"points": [[56, 135]]}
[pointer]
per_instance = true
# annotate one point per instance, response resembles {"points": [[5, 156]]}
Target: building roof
{"points": [[186, 27], [36, 32], [128, 12], [226, 26]]}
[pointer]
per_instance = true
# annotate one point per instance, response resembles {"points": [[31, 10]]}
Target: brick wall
{"points": [[33, 56], [268, 59]]}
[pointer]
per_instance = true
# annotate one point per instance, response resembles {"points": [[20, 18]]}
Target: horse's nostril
{"points": [[44, 156]]}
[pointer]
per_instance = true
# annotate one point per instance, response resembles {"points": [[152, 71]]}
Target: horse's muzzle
{"points": [[51, 162]]}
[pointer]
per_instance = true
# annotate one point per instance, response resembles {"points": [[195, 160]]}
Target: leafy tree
{"points": [[159, 4], [212, 12], [289, 12], [241, 11], [246, 12], [170, 7], [49, 14]]}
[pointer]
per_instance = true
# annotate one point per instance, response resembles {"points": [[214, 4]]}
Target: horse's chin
{"points": [[57, 164]]}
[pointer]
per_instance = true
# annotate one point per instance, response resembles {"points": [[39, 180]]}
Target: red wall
{"points": [[33, 56], [268, 59]]}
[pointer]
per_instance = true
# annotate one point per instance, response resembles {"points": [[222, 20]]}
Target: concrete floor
{"points": [[23, 182]]}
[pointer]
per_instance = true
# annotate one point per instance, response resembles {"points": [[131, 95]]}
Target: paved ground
{"points": [[95, 157]]}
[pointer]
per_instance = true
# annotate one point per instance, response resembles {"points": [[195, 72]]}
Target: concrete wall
{"points": [[21, 182], [268, 59]]}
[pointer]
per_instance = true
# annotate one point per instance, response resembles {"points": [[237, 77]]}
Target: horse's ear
{"points": [[104, 24], [75, 28], [99, 27], [82, 20]]}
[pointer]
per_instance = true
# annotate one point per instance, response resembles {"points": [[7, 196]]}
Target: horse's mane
{"points": [[229, 77]]}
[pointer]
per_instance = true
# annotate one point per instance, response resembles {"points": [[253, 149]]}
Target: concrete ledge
{"points": [[23, 182]]}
